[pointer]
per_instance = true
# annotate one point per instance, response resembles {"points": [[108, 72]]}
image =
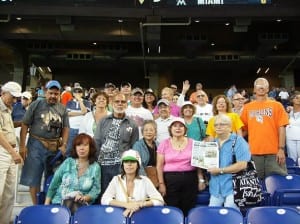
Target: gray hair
{"points": [[223, 118]]}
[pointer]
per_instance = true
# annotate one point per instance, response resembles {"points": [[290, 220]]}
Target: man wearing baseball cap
{"points": [[48, 124], [20, 108], [136, 111], [164, 120], [10, 158]]}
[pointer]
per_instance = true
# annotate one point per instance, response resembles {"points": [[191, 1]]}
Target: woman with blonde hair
{"points": [[222, 105]]}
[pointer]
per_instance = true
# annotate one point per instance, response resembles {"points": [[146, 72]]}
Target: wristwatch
{"points": [[222, 171]]}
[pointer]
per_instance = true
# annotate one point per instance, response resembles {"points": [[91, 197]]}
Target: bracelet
{"points": [[161, 183], [201, 180], [281, 147]]}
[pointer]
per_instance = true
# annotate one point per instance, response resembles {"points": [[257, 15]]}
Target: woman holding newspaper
{"points": [[220, 184], [178, 180]]}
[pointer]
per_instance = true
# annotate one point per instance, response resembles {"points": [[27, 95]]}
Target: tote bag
{"points": [[247, 188]]}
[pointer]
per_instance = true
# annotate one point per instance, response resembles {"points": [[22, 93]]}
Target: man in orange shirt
{"points": [[66, 95], [265, 121], [193, 96]]}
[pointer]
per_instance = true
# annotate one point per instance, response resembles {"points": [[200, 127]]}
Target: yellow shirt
{"points": [[237, 124]]}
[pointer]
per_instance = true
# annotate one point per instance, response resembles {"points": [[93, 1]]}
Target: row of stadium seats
{"points": [[98, 214]]}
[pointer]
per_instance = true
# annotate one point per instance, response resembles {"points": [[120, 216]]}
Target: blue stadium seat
{"points": [[284, 190], [272, 215], [212, 215], [97, 214], [293, 170], [290, 162], [43, 214], [52, 164], [203, 198], [158, 215]]}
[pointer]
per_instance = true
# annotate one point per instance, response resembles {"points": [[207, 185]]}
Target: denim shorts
{"points": [[35, 163]]}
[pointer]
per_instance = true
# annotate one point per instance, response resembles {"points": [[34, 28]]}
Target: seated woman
{"points": [[130, 190], [78, 177]]}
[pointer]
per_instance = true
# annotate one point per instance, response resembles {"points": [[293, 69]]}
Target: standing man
{"points": [[77, 108], [115, 134], [49, 129], [265, 121], [164, 120], [136, 111], [9, 157], [193, 96]]}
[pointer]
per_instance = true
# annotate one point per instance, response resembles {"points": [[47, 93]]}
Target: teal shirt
{"points": [[66, 180], [196, 129]]}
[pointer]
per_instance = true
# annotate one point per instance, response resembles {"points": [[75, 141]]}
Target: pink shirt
{"points": [[174, 109], [176, 161]]}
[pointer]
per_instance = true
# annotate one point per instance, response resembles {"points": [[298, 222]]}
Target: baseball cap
{"points": [[77, 89], [53, 84], [13, 88], [164, 101], [137, 90], [188, 103], [27, 95], [131, 155], [109, 84], [125, 84], [178, 119], [149, 91], [173, 86]]}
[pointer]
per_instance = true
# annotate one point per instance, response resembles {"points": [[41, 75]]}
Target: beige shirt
{"points": [[6, 124]]}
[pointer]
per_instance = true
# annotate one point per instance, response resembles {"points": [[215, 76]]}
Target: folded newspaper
{"points": [[205, 154]]}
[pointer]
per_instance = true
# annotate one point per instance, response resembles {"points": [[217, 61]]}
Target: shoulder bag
{"points": [[246, 184]]}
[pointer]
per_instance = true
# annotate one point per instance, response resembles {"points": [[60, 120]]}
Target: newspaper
{"points": [[205, 154]]}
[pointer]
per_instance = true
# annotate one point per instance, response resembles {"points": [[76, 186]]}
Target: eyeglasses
{"points": [[120, 101], [201, 95], [221, 124], [24, 98], [239, 99]]}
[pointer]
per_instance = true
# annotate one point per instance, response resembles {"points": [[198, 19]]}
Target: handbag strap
{"points": [[232, 149]]}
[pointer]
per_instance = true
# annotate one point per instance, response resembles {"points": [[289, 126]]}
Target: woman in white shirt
{"points": [[90, 120], [293, 129], [130, 190]]}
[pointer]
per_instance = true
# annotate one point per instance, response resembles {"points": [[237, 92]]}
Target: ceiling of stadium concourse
{"points": [[124, 39]]}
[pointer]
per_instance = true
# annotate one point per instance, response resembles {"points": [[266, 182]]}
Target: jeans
{"points": [[227, 201]]}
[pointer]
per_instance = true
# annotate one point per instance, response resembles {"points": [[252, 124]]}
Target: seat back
{"points": [[97, 214], [41, 196], [158, 215], [275, 182], [290, 162], [212, 215], [45, 214], [271, 215], [284, 190], [203, 198], [53, 162], [293, 170]]}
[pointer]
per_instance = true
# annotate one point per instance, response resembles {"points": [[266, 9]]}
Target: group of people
{"points": [[110, 142]]}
